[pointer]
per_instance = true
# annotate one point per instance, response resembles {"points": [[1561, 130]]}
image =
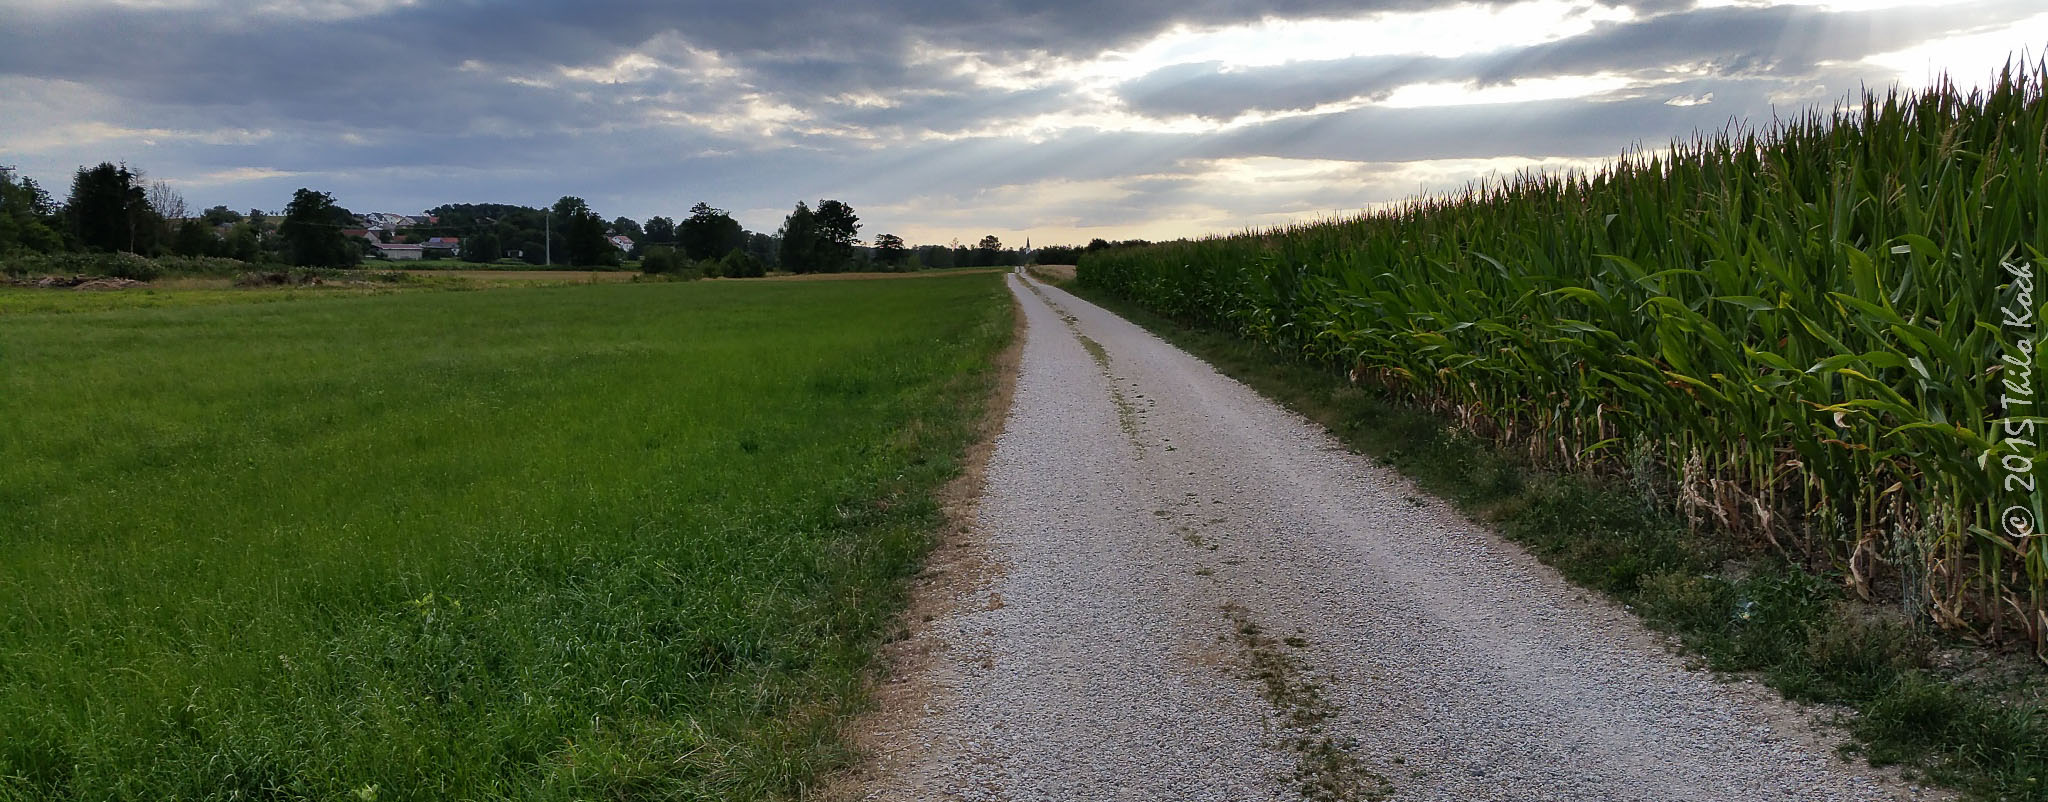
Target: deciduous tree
{"points": [[27, 217], [889, 249], [220, 216], [166, 201], [709, 233], [765, 248], [482, 247], [660, 259], [195, 238], [739, 264], [244, 242], [660, 231], [838, 232], [1056, 255]]}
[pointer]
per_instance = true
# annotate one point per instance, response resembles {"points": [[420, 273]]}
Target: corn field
{"points": [[1817, 338]]}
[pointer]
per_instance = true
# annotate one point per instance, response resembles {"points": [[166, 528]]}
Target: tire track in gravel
{"points": [[1202, 596]]}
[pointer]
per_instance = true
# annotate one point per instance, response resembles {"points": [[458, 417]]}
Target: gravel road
{"points": [[1197, 595]]}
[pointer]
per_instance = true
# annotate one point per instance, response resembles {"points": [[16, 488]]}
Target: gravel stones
{"points": [[1145, 509]]}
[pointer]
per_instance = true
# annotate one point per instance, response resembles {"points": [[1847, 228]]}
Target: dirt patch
{"points": [[279, 278], [77, 283], [957, 569], [110, 284]]}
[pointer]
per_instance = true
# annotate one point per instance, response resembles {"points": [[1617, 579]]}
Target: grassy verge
{"points": [[617, 541], [1962, 717]]}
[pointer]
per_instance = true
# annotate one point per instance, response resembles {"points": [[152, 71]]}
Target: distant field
{"points": [[532, 275], [1056, 274], [951, 271], [581, 542], [188, 293]]}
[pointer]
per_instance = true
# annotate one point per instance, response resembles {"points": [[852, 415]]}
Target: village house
{"points": [[400, 252]]}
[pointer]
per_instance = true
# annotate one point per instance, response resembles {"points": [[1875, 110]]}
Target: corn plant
{"points": [[1807, 326]]}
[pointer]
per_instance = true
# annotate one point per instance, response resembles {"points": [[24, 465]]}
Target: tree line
{"points": [[115, 208]]}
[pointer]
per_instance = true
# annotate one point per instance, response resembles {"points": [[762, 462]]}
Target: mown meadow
{"points": [[1775, 389], [620, 541]]}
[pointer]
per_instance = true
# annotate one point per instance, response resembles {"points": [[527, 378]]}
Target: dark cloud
{"points": [[1786, 42], [216, 52]]}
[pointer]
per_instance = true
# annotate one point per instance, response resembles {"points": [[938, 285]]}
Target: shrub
{"points": [[113, 265], [740, 264], [660, 260]]}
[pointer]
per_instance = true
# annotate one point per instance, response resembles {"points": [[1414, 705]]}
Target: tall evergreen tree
{"points": [[579, 234], [312, 231], [108, 211], [799, 253]]}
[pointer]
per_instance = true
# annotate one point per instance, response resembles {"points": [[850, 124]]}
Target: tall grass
{"points": [[1798, 334], [595, 542]]}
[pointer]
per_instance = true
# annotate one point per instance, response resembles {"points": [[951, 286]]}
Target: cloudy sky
{"points": [[935, 119]]}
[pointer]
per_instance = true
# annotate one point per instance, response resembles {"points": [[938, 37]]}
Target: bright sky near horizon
{"points": [[1059, 122]]}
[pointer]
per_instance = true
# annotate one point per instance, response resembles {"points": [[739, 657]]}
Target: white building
{"points": [[400, 253]]}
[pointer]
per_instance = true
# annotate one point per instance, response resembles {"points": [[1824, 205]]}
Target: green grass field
{"points": [[631, 541]]}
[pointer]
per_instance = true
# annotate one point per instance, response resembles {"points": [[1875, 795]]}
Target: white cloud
{"points": [[1462, 29], [629, 68], [235, 176], [1830, 5], [1523, 91], [1970, 59], [330, 10], [1458, 30]]}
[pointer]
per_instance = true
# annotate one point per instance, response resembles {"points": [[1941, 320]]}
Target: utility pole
{"points": [[549, 227]]}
